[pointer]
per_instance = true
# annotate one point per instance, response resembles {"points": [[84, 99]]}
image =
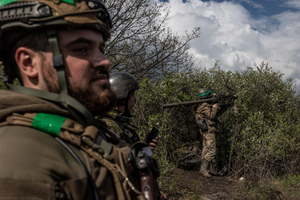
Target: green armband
{"points": [[48, 123]]}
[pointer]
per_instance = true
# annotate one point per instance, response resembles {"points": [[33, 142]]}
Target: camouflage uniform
{"points": [[124, 84], [117, 122], [120, 121], [207, 112], [36, 166]]}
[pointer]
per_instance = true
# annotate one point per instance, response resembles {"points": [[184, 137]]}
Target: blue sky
{"points": [[260, 8], [242, 33]]}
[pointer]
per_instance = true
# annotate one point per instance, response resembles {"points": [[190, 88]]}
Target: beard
{"points": [[97, 104]]}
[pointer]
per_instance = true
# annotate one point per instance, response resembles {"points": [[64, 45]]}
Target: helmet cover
{"points": [[203, 93], [20, 17]]}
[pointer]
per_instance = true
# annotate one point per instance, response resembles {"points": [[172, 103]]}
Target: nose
{"points": [[100, 61]]}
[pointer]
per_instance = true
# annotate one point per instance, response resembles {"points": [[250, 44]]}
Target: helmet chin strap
{"points": [[58, 64], [127, 113], [58, 61]]}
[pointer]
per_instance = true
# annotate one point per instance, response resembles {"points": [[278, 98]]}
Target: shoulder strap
{"points": [[76, 109], [75, 156], [53, 124]]}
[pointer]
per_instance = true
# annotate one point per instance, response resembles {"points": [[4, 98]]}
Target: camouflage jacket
{"points": [[207, 112], [121, 125], [35, 165]]}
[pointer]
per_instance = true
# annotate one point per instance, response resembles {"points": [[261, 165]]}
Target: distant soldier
{"points": [[206, 119], [119, 119]]}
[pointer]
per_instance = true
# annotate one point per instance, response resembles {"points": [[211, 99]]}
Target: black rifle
{"points": [[221, 99], [148, 172]]}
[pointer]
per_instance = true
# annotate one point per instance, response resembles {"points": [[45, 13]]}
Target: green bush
{"points": [[258, 135]]}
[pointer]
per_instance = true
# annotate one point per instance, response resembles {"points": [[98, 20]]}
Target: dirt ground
{"points": [[190, 185]]}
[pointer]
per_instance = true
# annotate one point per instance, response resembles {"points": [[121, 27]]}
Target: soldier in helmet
{"points": [[206, 116], [51, 146], [119, 118]]}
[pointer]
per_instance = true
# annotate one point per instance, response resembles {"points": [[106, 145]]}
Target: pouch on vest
{"points": [[202, 124]]}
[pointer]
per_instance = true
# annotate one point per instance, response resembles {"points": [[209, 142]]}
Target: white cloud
{"points": [[293, 3], [253, 4], [230, 35]]}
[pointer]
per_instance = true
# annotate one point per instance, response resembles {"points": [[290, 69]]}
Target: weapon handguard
{"points": [[148, 170]]}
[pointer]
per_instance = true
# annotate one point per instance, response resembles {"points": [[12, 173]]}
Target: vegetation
{"points": [[286, 187], [259, 134]]}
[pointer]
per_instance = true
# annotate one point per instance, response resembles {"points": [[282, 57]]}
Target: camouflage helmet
{"points": [[20, 17], [123, 84], [204, 93]]}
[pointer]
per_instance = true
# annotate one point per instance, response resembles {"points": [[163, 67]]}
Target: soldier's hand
{"points": [[215, 105], [154, 143], [163, 196]]}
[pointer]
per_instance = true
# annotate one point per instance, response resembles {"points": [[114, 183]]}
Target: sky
{"points": [[242, 33]]}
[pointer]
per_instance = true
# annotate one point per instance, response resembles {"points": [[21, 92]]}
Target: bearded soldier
{"points": [[51, 146]]}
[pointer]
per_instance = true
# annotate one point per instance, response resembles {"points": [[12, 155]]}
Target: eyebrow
{"points": [[82, 40]]}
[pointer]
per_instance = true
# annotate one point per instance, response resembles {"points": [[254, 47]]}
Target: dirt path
{"points": [[186, 185]]}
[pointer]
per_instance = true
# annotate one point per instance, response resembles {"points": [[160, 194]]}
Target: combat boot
{"points": [[204, 168]]}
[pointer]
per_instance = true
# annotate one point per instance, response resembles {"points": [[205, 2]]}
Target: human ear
{"points": [[25, 59]]}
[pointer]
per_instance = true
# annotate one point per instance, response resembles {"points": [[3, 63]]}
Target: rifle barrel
{"points": [[188, 103]]}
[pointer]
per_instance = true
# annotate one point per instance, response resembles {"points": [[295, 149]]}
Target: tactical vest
{"points": [[200, 115], [128, 131], [114, 159]]}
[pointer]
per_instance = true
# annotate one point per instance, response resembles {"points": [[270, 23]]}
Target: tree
{"points": [[141, 44]]}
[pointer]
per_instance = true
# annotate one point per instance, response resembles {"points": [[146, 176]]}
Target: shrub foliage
{"points": [[259, 135]]}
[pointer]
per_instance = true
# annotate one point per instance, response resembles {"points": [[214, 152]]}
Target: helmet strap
{"points": [[58, 61], [58, 64], [75, 108], [127, 113]]}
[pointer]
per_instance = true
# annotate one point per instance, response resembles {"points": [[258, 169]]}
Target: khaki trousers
{"points": [[209, 150]]}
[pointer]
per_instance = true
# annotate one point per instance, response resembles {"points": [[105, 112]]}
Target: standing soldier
{"points": [[206, 119], [51, 146]]}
